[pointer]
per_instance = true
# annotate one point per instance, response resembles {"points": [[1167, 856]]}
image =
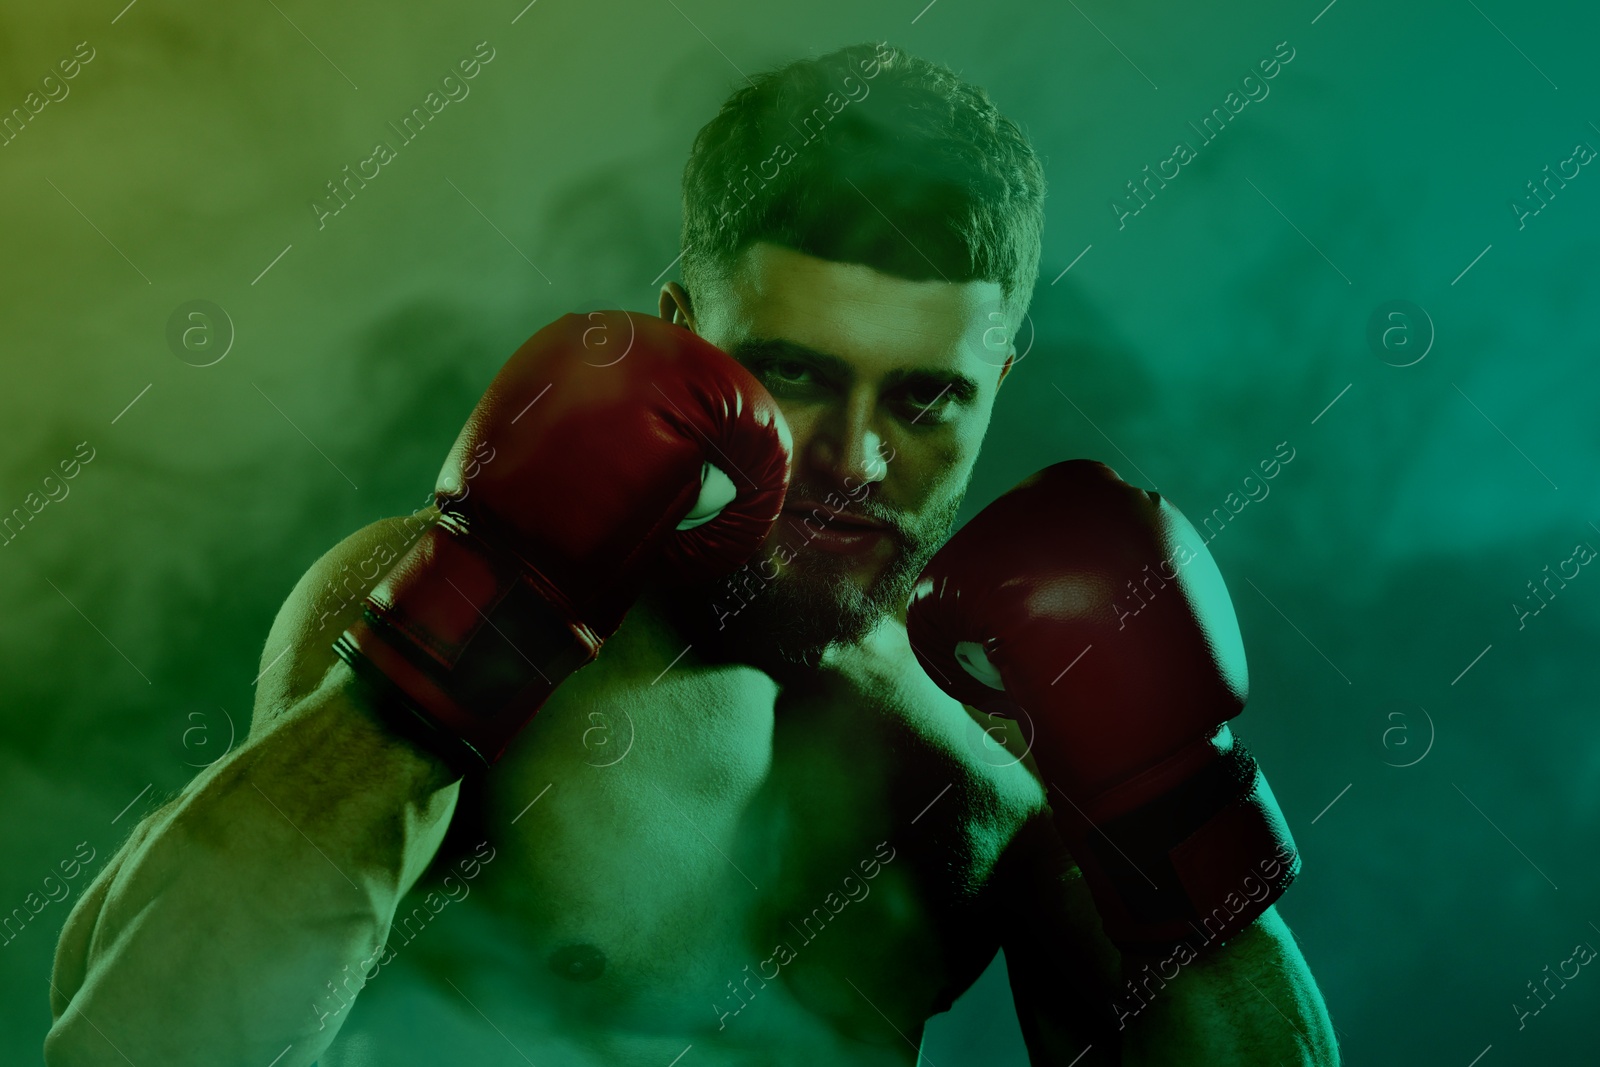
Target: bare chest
{"points": [[701, 849]]}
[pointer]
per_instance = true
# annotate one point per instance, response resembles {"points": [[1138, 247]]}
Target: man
{"points": [[635, 718]]}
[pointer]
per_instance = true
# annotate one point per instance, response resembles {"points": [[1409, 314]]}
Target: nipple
{"points": [[578, 963]]}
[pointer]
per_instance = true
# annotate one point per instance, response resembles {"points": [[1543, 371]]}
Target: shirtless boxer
{"points": [[559, 790]]}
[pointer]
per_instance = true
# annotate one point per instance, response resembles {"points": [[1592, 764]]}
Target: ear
{"points": [[676, 306], [1005, 369]]}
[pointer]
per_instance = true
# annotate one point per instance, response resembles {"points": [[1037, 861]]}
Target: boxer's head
{"points": [[862, 232]]}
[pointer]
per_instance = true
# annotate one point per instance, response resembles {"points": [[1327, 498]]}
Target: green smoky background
{"points": [[1369, 267]]}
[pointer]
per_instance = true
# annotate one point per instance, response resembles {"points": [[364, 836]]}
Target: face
{"points": [[887, 386]]}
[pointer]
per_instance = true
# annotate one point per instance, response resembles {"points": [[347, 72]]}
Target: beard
{"points": [[784, 608]]}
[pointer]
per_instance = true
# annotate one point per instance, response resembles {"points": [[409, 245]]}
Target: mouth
{"points": [[830, 530], [808, 509]]}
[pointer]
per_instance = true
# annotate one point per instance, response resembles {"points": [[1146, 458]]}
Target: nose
{"points": [[846, 445]]}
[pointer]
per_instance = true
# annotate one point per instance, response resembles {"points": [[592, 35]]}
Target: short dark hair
{"points": [[867, 155]]}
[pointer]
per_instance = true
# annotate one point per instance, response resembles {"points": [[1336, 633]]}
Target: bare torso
{"points": [[685, 854]]}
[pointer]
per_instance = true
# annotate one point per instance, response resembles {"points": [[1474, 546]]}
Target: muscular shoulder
{"points": [[326, 599], [994, 751], [994, 788]]}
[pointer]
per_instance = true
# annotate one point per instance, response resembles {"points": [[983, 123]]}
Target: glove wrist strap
{"points": [[463, 642], [1196, 865]]}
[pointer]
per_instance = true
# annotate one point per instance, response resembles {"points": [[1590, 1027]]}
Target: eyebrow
{"points": [[962, 387]]}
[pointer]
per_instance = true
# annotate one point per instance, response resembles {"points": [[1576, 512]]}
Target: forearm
{"points": [[1252, 1001], [222, 924]]}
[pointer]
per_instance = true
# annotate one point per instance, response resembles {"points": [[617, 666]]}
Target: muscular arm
{"points": [[1250, 1001], [1063, 970], [213, 935]]}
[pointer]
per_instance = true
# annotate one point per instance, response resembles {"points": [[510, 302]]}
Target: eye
{"points": [[787, 375], [927, 402], [790, 371]]}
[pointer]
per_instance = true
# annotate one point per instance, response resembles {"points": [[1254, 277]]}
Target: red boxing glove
{"points": [[1091, 611], [569, 488]]}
